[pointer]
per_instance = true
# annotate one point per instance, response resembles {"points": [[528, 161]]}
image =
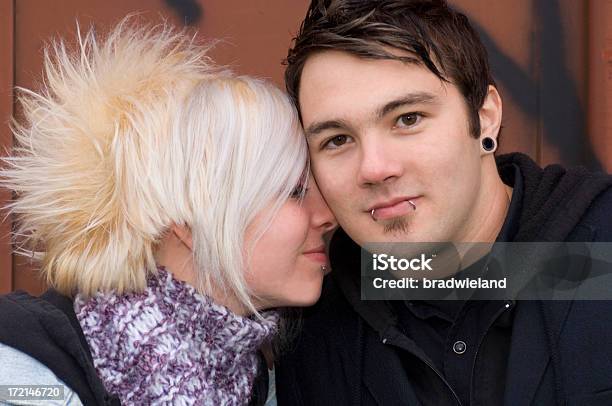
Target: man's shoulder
{"points": [[327, 344], [598, 217], [332, 307]]}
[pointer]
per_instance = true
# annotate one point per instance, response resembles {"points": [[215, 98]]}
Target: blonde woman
{"points": [[168, 204]]}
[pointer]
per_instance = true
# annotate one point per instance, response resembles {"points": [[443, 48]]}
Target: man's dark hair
{"points": [[428, 31]]}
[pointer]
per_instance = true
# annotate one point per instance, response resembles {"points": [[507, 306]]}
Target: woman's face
{"points": [[285, 267]]}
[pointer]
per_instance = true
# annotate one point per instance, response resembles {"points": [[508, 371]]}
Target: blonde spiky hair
{"points": [[84, 168], [136, 133]]}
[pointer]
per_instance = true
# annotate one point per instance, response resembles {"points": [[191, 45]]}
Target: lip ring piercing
{"points": [[410, 202]]}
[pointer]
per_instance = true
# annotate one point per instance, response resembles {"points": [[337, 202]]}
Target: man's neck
{"points": [[492, 206]]}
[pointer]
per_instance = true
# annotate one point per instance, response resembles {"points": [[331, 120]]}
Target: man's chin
{"points": [[379, 237], [399, 229]]}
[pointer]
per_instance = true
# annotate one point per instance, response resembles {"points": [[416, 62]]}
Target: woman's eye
{"points": [[408, 120], [299, 192], [336, 142]]}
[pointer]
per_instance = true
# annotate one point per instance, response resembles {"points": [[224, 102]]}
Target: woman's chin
{"points": [[303, 298]]}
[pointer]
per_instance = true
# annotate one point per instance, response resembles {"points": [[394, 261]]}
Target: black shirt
{"points": [[467, 342]]}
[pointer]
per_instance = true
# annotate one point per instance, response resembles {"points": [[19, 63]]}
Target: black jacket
{"points": [[352, 352], [46, 328]]}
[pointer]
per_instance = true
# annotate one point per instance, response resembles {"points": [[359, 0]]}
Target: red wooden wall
{"points": [[552, 60]]}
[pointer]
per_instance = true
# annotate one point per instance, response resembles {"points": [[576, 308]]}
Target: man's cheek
{"points": [[330, 180], [336, 199]]}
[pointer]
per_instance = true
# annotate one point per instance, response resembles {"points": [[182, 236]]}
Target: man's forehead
{"points": [[336, 85]]}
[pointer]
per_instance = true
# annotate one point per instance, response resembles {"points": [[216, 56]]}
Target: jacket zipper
{"points": [[448, 386], [493, 319]]}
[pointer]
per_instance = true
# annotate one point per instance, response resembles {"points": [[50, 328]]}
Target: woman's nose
{"points": [[321, 215]]}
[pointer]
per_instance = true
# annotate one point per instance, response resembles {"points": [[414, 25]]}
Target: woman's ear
{"points": [[183, 233], [490, 114]]}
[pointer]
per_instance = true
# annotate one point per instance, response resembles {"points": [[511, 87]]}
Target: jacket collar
{"points": [[55, 339], [553, 202]]}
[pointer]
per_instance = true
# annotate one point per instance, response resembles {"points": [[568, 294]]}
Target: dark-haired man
{"points": [[402, 118]]}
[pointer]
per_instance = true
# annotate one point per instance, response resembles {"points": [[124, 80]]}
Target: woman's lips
{"points": [[319, 257], [317, 254]]}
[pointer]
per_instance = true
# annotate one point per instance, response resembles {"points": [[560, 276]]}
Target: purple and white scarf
{"points": [[171, 345]]}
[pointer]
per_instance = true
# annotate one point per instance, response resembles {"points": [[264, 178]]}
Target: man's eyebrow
{"points": [[339, 124], [410, 99], [318, 127]]}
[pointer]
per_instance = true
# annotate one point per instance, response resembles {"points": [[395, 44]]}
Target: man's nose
{"points": [[378, 163]]}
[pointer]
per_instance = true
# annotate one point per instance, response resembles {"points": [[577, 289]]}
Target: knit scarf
{"points": [[171, 345]]}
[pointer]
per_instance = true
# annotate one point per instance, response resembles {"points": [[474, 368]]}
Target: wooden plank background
{"points": [[551, 59], [7, 40]]}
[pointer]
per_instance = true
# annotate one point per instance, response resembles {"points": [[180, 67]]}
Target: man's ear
{"points": [[183, 233], [490, 114]]}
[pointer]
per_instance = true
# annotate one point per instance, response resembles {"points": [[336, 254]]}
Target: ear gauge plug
{"points": [[488, 144]]}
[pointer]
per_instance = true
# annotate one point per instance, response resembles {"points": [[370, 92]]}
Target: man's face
{"points": [[381, 133]]}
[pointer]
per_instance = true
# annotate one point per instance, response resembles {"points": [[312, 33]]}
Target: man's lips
{"points": [[317, 254], [392, 208]]}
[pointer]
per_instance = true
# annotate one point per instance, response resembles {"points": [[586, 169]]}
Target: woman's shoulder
{"points": [[20, 369], [41, 335]]}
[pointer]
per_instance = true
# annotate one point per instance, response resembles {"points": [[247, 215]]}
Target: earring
{"points": [[489, 144]]}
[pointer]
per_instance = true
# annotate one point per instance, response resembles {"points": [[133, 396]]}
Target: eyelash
{"points": [[327, 142], [419, 117], [299, 192]]}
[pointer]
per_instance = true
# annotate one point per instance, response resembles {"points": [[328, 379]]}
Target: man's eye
{"points": [[408, 120], [336, 142]]}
